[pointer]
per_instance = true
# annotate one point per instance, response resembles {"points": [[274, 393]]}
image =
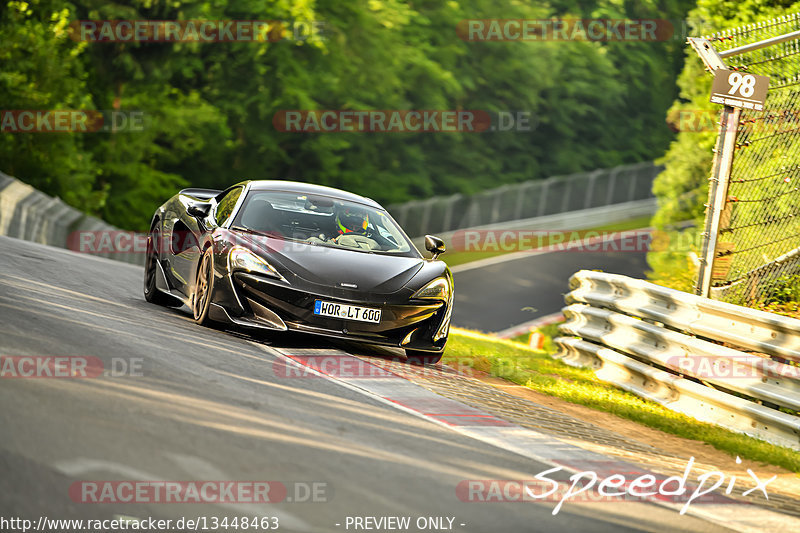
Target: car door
{"points": [[187, 256], [184, 234]]}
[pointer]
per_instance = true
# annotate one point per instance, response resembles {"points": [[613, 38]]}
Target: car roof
{"points": [[309, 188]]}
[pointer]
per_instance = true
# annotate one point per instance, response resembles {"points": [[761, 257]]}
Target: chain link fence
{"points": [[558, 194], [757, 257]]}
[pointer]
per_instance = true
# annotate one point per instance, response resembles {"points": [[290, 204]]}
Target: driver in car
{"points": [[352, 229], [350, 220]]}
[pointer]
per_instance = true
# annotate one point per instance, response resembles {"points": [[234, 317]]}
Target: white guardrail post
{"points": [[717, 362]]}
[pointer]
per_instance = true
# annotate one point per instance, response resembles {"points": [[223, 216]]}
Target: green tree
{"points": [[41, 70], [209, 107]]}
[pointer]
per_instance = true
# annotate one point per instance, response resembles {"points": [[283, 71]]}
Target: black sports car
{"points": [[282, 255]]}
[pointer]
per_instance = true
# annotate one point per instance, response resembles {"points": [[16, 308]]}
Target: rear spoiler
{"points": [[201, 194]]}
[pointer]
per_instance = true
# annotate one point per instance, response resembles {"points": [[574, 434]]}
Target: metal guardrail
{"points": [[740, 326], [683, 395], [532, 199], [717, 362], [572, 220], [31, 215]]}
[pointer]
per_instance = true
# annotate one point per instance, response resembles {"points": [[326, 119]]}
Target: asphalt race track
{"points": [[495, 297], [206, 404]]}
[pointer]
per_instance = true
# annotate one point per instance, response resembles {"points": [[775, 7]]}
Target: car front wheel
{"points": [[204, 289]]}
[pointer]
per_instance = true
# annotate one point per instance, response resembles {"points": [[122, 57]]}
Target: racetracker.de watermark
{"points": [[103, 242], [492, 241], [402, 121], [69, 367], [201, 31], [70, 121], [567, 29], [705, 120], [149, 523], [199, 491], [749, 367], [345, 366], [337, 365]]}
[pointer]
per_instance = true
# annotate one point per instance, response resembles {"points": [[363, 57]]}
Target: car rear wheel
{"points": [[204, 289], [151, 293], [416, 357]]}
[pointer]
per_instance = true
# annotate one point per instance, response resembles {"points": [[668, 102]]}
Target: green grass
{"points": [[537, 370], [460, 258]]}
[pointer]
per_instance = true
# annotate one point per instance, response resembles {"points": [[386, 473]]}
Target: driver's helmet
{"points": [[351, 220]]}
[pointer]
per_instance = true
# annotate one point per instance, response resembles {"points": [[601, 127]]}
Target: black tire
{"points": [[151, 293], [416, 357], [204, 288]]}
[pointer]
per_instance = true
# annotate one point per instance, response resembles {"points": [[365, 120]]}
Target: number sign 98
{"points": [[744, 83]]}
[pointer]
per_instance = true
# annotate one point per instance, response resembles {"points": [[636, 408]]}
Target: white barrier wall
{"points": [[29, 214]]}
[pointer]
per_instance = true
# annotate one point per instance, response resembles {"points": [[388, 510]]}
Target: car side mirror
{"points": [[199, 210], [434, 245]]}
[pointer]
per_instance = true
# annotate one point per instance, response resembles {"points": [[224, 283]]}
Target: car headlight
{"points": [[243, 259], [438, 289]]}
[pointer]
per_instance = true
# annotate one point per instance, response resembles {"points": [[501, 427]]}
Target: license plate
{"points": [[347, 312]]}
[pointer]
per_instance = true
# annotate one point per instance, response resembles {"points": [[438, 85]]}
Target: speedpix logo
{"points": [[591, 486]]}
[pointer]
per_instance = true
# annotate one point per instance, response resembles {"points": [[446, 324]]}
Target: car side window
{"points": [[226, 204]]}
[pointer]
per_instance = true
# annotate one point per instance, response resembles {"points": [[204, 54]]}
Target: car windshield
{"points": [[322, 220]]}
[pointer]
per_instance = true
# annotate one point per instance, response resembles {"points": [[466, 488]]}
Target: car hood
{"points": [[336, 268]]}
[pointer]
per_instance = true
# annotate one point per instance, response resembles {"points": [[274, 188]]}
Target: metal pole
{"points": [[448, 214], [632, 186], [721, 173], [543, 197], [426, 215], [718, 196], [587, 202], [707, 53], [612, 184], [565, 197], [523, 188], [760, 44]]}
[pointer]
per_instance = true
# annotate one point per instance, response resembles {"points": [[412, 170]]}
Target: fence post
{"points": [[498, 196], [520, 200], [587, 203], [717, 197], [720, 174], [543, 197], [448, 214], [568, 190], [426, 213], [612, 183]]}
